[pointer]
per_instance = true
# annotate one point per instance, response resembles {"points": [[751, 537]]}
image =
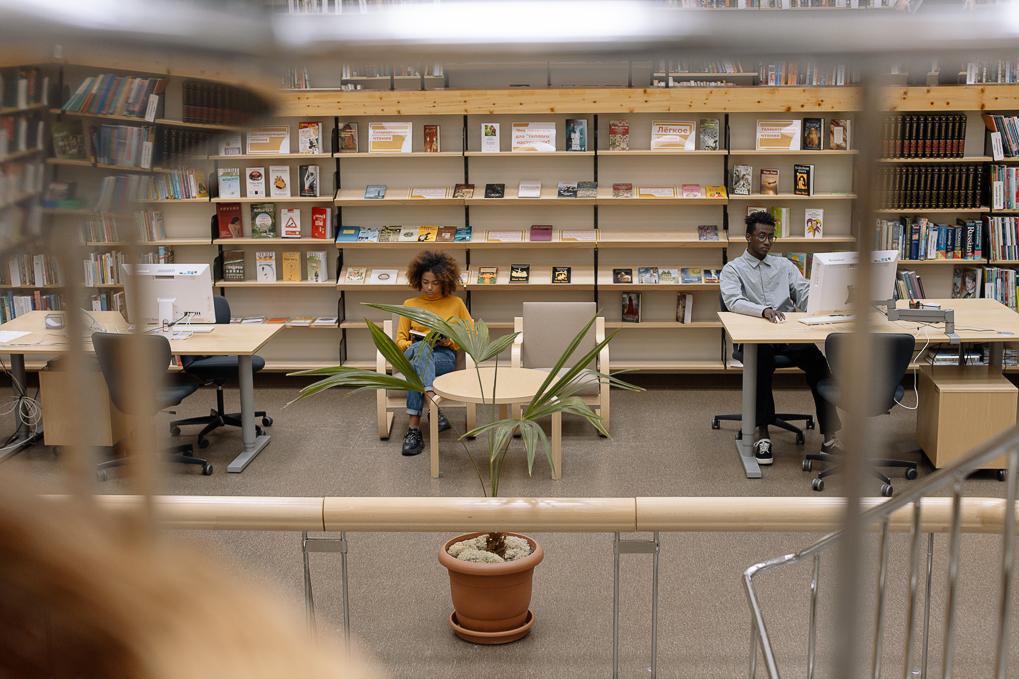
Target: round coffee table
{"points": [[511, 386]]}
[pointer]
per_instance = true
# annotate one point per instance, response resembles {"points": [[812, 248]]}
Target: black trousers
{"points": [[811, 361]]}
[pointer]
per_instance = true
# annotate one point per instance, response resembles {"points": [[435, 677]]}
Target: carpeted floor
{"points": [[662, 445]]}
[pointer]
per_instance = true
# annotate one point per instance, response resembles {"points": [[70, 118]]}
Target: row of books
{"points": [[229, 180], [1003, 236], [809, 73], [23, 132], [997, 72], [921, 239], [1004, 135], [1000, 284], [665, 135], [214, 103], [151, 224], [350, 71], [19, 179], [118, 192], [1004, 187], [909, 285], [266, 224], [316, 266], [25, 270], [175, 145], [660, 275], [924, 135], [23, 87], [180, 184], [109, 301], [405, 234], [696, 66], [932, 186], [568, 189], [123, 145], [631, 307], [813, 221], [295, 79], [275, 139], [12, 306], [103, 268], [111, 94]]}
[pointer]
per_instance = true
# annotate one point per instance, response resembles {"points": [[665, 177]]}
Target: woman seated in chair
{"points": [[436, 275]]}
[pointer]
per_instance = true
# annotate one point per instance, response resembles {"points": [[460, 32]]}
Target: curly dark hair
{"points": [[442, 265], [759, 217]]}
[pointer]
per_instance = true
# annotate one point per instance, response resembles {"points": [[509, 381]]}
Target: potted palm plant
{"points": [[490, 573]]}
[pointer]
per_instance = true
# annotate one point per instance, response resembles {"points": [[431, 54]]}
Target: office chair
{"points": [[217, 370], [110, 348], [782, 420], [887, 390]]}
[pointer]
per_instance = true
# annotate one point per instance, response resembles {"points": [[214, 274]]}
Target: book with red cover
{"points": [[320, 222], [228, 217], [541, 232]]}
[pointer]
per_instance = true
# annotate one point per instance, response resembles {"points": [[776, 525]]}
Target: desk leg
{"points": [[557, 446], [23, 437], [745, 446], [253, 444], [433, 436]]}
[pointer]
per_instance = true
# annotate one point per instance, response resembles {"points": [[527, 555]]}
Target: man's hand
{"points": [[773, 316]]}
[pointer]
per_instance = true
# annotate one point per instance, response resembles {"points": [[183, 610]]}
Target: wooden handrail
{"points": [[560, 515]]}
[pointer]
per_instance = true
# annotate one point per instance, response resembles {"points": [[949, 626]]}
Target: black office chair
{"points": [[887, 390], [217, 370], [110, 348], [782, 420]]}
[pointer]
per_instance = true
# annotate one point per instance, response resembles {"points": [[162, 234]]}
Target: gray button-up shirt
{"points": [[750, 285]]}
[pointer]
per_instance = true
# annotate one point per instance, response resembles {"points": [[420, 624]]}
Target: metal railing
{"points": [[884, 517]]}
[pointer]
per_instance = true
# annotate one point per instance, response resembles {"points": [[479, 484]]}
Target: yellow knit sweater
{"points": [[445, 308]]}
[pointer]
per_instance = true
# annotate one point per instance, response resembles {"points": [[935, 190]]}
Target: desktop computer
{"points": [[171, 293], [833, 276]]}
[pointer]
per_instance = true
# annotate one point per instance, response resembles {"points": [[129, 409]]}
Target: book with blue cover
{"points": [[348, 234]]}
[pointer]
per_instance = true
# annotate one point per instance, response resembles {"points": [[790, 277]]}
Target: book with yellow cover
{"points": [[391, 137], [292, 266], [778, 135], [715, 191], [427, 234]]}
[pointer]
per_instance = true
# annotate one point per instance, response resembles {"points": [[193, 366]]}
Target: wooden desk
{"points": [[242, 340], [513, 386], [976, 320]]}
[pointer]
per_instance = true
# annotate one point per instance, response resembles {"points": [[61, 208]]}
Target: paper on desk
{"points": [[11, 335]]}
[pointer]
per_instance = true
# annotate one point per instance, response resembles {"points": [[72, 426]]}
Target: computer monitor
{"points": [[833, 275], [171, 292]]}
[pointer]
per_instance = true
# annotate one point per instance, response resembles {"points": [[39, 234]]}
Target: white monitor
{"points": [[171, 292], [833, 275]]}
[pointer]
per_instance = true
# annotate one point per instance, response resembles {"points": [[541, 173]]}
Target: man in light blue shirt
{"points": [[759, 284]]}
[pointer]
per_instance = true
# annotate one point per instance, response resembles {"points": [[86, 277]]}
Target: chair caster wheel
{"points": [[266, 421], [206, 469], [800, 440], [910, 473], [102, 475], [817, 485], [739, 435], [810, 423], [807, 465], [203, 443], [886, 489], [258, 431], [1002, 474], [715, 424], [174, 430]]}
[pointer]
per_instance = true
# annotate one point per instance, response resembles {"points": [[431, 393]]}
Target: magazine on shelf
{"points": [[534, 137], [390, 137], [309, 137], [673, 135], [778, 135], [270, 140]]}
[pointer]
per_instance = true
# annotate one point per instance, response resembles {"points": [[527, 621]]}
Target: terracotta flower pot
{"points": [[490, 600]]}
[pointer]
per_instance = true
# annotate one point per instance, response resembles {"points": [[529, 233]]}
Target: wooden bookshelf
{"points": [[280, 199], [273, 284], [175, 201], [228, 242], [643, 153], [907, 263], [548, 198], [793, 196], [272, 156], [19, 155], [15, 110], [394, 197], [528, 154], [70, 162], [166, 242]]}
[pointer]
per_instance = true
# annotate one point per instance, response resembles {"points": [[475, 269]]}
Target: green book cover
{"points": [[263, 220]]}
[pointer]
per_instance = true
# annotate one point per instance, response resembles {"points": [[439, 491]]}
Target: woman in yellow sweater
{"points": [[436, 275]]}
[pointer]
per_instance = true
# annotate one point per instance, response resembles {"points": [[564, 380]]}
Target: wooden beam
{"points": [[953, 98]]}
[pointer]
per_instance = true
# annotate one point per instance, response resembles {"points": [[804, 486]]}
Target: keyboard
{"points": [[825, 320]]}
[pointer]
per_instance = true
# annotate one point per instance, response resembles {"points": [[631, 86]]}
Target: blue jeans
{"points": [[428, 364]]}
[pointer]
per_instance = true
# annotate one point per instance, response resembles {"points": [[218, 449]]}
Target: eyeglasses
{"points": [[764, 236]]}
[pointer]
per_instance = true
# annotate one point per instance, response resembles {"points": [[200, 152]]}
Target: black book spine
{"points": [[897, 149]]}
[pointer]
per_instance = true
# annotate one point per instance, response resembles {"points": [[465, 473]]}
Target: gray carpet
{"points": [[662, 445]]}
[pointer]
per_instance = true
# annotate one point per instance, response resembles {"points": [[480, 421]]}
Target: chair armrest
{"points": [[380, 360], [603, 354], [516, 355]]}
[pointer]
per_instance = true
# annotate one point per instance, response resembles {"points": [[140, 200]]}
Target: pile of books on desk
{"points": [[950, 355]]}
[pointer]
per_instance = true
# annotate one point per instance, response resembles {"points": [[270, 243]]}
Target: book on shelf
{"points": [[356, 274], [292, 266], [229, 223], [324, 321], [587, 189], [668, 276], [490, 137], [307, 177], [290, 222], [390, 137], [561, 275], [656, 192], [60, 194], [263, 220], [838, 134], [742, 180], [495, 190], [692, 191], [529, 189], [578, 235], [431, 138], [630, 307], [532, 137], [231, 144], [708, 133], [390, 234], [715, 191], [576, 134], [691, 275], [348, 138], [707, 232], [487, 275], [647, 275], [254, 182], [932, 186], [375, 192], [278, 320], [673, 135], [541, 232], [68, 139], [368, 234], [504, 236], [429, 192], [383, 276], [778, 135], [300, 322], [408, 234], [446, 234], [622, 190], [229, 182], [924, 135], [317, 265], [813, 131], [349, 234], [622, 276], [712, 275], [463, 191], [265, 266], [463, 234], [249, 320], [566, 190], [619, 135], [520, 273], [813, 222], [309, 136], [427, 233], [153, 227], [684, 307], [781, 216], [803, 179], [769, 181], [279, 181], [269, 140], [966, 282], [801, 260]]}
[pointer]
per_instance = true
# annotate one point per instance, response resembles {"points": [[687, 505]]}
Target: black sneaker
{"points": [[762, 451], [413, 442], [832, 446], [443, 422]]}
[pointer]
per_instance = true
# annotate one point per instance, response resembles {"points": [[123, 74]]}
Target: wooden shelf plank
{"points": [[18, 155], [941, 262], [18, 198], [273, 241], [964, 159], [175, 201], [527, 154], [640, 153], [793, 196], [15, 110], [199, 126], [652, 242], [273, 156], [933, 211], [69, 162], [669, 366], [166, 242], [735, 239], [101, 116], [800, 152], [273, 284], [677, 287], [271, 199], [950, 98], [365, 155], [534, 287], [410, 245], [663, 325]]}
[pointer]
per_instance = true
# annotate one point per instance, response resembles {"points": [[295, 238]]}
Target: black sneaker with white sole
{"points": [[762, 451], [831, 447], [413, 442]]}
